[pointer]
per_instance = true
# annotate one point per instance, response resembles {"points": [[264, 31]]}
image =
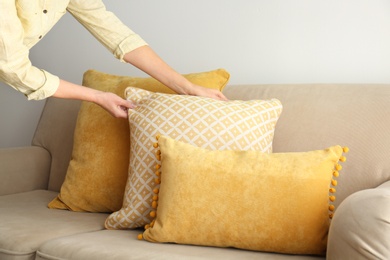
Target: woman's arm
{"points": [[16, 69], [148, 61], [114, 104], [129, 46], [105, 26]]}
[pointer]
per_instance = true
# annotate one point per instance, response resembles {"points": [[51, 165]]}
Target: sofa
{"points": [[315, 116]]}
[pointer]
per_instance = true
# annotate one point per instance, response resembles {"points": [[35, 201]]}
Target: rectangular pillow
{"points": [[278, 202]]}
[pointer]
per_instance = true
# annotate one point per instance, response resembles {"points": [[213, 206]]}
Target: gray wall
{"points": [[257, 41]]}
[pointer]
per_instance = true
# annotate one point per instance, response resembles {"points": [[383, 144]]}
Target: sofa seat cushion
{"points": [[123, 244], [26, 223]]}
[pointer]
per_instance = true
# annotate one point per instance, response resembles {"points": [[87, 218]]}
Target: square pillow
{"points": [[278, 202], [204, 122], [96, 177]]}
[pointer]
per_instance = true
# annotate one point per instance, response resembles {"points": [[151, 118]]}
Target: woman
{"points": [[24, 22]]}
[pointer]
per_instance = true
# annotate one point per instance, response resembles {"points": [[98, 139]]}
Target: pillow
{"points": [[204, 122], [96, 176], [245, 199]]}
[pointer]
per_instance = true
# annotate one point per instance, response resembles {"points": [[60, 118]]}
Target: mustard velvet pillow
{"points": [[245, 199], [97, 173], [204, 122]]}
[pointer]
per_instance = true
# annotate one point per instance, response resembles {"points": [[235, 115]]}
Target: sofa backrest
{"points": [[55, 133], [314, 117]]}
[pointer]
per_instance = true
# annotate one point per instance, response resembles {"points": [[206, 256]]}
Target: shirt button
{"points": [[45, 11], [40, 37]]}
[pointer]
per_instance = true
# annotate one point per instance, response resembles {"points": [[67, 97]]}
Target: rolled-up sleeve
{"points": [[16, 69], [105, 27]]}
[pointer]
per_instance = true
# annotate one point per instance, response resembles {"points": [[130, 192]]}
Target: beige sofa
{"points": [[314, 117]]}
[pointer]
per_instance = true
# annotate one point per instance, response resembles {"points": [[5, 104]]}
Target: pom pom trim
{"points": [[332, 190], [157, 181]]}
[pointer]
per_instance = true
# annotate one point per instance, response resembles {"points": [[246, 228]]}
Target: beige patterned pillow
{"points": [[203, 122]]}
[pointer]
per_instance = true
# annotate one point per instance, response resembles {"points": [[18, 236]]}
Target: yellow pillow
{"points": [[245, 199], [97, 173], [204, 122]]}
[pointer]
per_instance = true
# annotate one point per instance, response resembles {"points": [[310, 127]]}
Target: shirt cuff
{"points": [[48, 88], [129, 44]]}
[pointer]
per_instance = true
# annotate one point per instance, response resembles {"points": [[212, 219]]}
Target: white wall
{"points": [[257, 41]]}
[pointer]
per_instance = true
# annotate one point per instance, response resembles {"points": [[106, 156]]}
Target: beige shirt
{"points": [[24, 22]]}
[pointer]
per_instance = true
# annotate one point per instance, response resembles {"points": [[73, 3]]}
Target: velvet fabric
{"points": [[245, 199], [97, 173]]}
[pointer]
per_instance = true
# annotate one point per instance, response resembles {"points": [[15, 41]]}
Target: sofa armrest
{"points": [[24, 169], [360, 228]]}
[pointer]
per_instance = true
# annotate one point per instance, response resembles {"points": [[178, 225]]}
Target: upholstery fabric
{"points": [[26, 223], [55, 134], [123, 245], [36, 161], [277, 202], [204, 122], [361, 226], [96, 176]]}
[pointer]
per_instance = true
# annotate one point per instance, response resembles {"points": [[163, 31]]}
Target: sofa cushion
{"points": [[96, 177], [26, 223], [204, 122], [123, 245], [279, 202], [24, 169], [361, 227]]}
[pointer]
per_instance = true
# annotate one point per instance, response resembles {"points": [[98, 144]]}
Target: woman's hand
{"points": [[148, 61], [114, 104], [207, 92], [111, 102]]}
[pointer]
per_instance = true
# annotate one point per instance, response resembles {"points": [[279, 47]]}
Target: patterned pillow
{"points": [[203, 122]]}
